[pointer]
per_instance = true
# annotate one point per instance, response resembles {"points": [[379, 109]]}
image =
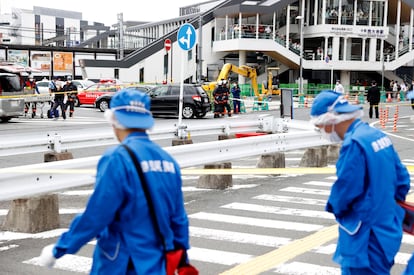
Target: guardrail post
{"points": [[333, 152], [315, 157], [275, 160], [217, 181], [40, 213], [184, 136]]}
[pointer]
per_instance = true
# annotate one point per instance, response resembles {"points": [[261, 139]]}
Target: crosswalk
{"points": [[236, 231]]}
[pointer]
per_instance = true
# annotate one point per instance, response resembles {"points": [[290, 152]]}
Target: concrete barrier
{"points": [[333, 153], [275, 160], [212, 181], [314, 157], [216, 181], [33, 215]]}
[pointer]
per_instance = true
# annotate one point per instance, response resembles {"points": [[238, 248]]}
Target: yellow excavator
{"points": [[270, 88], [243, 70]]}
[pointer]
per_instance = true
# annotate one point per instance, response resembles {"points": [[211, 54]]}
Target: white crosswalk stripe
{"points": [[256, 222], [300, 268], [297, 200], [238, 237], [279, 210]]}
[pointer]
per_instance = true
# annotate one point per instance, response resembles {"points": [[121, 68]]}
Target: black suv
{"points": [[165, 100]]}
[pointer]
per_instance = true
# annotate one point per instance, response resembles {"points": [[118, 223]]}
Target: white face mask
{"points": [[332, 136]]}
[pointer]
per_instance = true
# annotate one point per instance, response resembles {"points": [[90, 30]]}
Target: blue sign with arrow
{"points": [[186, 37]]}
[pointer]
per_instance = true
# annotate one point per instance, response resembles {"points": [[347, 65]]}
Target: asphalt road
{"points": [[259, 215]]}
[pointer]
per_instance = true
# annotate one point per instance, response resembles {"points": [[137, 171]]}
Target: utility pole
{"points": [[121, 35], [200, 56]]}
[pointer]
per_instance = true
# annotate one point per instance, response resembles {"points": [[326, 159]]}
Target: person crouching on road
{"points": [[71, 92], [127, 239], [218, 99], [370, 181]]}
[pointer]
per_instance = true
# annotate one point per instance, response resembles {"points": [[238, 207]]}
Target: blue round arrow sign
{"points": [[186, 36]]}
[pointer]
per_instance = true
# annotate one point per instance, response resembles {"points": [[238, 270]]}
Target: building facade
{"points": [[320, 40]]}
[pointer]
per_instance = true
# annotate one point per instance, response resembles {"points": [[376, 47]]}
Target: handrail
{"points": [[29, 180]]}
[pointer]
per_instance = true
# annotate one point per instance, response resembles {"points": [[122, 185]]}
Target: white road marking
{"points": [[8, 247], [299, 268], [306, 191], [318, 183], [237, 237], [279, 210], [327, 249], [9, 236], [217, 256], [77, 193], [289, 199], [62, 211], [256, 222], [400, 258], [72, 263]]}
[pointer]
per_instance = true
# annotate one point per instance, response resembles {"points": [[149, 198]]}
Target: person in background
{"points": [[235, 91], [373, 97], [225, 98], [71, 91], [30, 84], [127, 239], [55, 88], [218, 99], [395, 89], [370, 181], [338, 87]]}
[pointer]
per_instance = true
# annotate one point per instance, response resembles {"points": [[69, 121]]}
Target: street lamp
{"points": [[300, 18]]}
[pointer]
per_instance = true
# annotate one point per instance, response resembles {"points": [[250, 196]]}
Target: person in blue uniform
{"points": [[370, 179], [117, 213]]}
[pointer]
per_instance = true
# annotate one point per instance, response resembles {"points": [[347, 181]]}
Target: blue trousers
{"points": [[378, 262]]}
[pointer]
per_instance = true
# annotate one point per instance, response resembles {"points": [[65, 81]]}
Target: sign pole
{"points": [[180, 106], [186, 39]]}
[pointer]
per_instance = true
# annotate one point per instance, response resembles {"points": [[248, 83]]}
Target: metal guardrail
{"points": [[29, 180], [56, 142]]}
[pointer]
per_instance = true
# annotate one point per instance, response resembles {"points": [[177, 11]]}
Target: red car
{"points": [[88, 96]]}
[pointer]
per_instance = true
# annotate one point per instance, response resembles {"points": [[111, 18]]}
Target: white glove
{"points": [[47, 258]]}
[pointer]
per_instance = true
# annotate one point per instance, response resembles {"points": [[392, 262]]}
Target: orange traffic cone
{"points": [[394, 128], [398, 97], [382, 118], [389, 99]]}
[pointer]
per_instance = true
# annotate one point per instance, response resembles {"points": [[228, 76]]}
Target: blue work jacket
{"points": [[117, 213], [370, 178]]}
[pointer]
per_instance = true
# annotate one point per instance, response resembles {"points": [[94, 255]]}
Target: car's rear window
{"points": [[10, 84]]}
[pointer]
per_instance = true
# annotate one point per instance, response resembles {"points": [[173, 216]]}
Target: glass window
{"points": [[331, 13], [160, 91], [362, 12], [378, 13], [347, 13]]}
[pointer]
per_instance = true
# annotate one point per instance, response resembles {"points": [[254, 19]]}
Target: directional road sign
{"points": [[186, 36]]}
